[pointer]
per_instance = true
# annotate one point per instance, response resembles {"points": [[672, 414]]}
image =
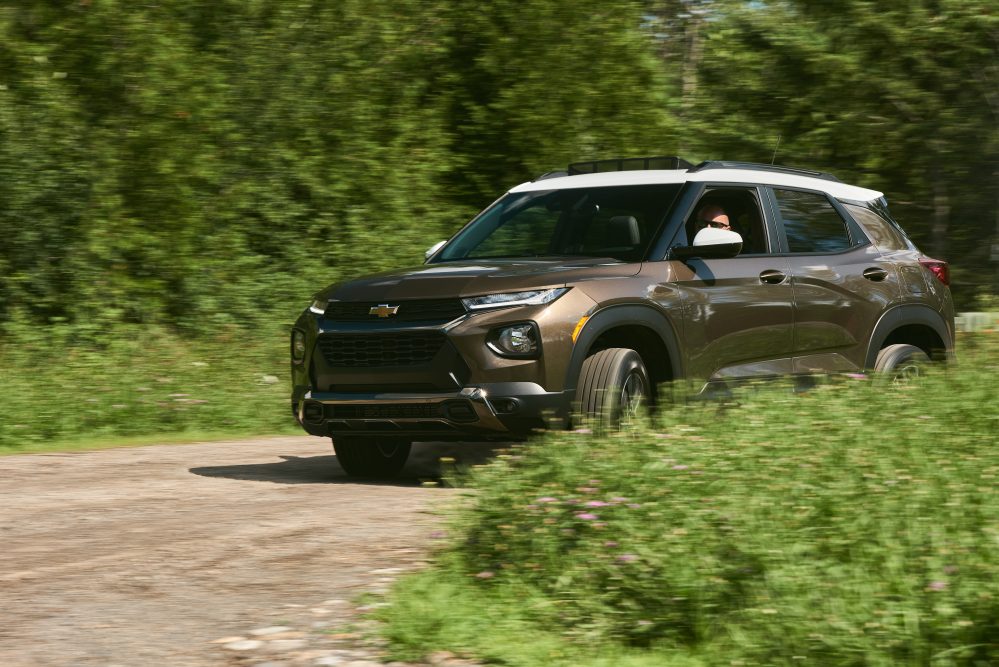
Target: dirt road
{"points": [[146, 556]]}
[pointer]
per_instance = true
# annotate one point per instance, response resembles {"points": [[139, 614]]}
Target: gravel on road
{"points": [[244, 552]]}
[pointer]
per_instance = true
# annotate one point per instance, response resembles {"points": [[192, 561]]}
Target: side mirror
{"points": [[433, 249], [710, 243]]}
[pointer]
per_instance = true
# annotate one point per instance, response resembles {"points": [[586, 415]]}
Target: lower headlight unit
{"points": [[515, 340]]}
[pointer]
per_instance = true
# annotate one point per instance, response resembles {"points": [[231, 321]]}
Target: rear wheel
{"points": [[900, 363], [613, 385], [381, 457]]}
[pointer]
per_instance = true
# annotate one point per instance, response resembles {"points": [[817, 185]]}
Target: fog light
{"points": [[518, 340], [297, 346], [313, 412]]}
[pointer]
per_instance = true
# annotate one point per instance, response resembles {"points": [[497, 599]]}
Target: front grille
{"points": [[407, 348], [389, 411], [436, 311]]}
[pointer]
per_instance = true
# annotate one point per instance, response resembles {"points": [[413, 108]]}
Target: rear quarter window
{"points": [[880, 231]]}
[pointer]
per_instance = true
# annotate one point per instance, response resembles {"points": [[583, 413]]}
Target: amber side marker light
{"points": [[579, 327], [938, 269]]}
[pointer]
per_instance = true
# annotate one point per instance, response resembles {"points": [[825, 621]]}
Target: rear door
{"points": [[841, 283]]}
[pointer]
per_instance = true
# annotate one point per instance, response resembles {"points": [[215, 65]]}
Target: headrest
{"points": [[624, 229]]}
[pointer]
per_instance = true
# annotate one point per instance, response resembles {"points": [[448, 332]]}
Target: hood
{"points": [[461, 279]]}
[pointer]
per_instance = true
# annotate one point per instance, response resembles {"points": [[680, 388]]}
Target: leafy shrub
{"points": [[849, 524]]}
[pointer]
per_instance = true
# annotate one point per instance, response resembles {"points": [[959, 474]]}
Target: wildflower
{"points": [[937, 585], [546, 499], [610, 544], [587, 516], [485, 574], [619, 499], [627, 558], [596, 503]]}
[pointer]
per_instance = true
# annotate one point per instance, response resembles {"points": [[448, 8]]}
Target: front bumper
{"points": [[493, 411]]}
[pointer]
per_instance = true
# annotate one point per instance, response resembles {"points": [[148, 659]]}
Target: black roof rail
{"points": [[551, 174], [726, 164], [629, 164]]}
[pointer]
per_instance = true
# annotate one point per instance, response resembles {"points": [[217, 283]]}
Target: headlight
{"points": [[318, 306], [297, 346], [532, 298], [515, 340]]}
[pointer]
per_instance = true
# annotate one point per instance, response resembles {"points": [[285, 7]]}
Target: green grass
{"points": [[143, 385], [853, 524]]}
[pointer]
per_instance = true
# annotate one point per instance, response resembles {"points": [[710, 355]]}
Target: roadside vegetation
{"points": [[851, 524], [60, 393]]}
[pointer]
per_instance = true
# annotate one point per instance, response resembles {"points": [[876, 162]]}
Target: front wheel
{"points": [[613, 385], [376, 457], [900, 364]]}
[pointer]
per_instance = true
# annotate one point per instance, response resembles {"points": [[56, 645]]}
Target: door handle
{"points": [[876, 274], [772, 277]]}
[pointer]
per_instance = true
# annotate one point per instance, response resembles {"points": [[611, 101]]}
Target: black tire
{"points": [[900, 364], [377, 458], [613, 384]]}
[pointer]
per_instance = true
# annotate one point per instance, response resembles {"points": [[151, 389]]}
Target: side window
{"points": [[737, 208], [884, 236], [811, 224]]}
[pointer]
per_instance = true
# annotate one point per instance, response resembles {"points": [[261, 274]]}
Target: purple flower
{"points": [[546, 499], [587, 516], [937, 585], [610, 544], [627, 558], [596, 503]]}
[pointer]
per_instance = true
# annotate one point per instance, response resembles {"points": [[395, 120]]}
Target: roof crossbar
{"points": [[726, 164]]}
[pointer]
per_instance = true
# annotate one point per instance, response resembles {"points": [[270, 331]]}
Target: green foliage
{"points": [[845, 525], [145, 381]]}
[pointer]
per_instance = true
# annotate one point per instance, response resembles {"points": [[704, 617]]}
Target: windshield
{"points": [[617, 222]]}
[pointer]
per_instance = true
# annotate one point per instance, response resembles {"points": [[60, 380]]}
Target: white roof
{"points": [[667, 176]]}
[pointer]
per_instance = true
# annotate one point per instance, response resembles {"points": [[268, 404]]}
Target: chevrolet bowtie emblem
{"points": [[383, 310]]}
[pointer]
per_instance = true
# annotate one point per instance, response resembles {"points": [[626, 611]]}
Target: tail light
{"points": [[937, 268]]}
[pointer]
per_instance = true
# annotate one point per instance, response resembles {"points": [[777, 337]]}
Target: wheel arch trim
{"points": [[906, 315], [613, 317]]}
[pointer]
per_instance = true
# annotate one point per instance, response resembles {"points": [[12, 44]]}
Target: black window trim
{"points": [[858, 239]]}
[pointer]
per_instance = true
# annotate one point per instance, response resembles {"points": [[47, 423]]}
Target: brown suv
{"points": [[583, 291]]}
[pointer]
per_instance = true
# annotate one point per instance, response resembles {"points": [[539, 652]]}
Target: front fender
{"points": [[618, 316]]}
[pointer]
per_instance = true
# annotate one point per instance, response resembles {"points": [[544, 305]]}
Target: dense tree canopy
{"points": [[207, 163]]}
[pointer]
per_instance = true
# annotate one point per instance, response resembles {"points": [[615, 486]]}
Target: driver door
{"points": [[737, 312]]}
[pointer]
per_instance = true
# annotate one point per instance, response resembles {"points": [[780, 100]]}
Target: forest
{"points": [[206, 166]]}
